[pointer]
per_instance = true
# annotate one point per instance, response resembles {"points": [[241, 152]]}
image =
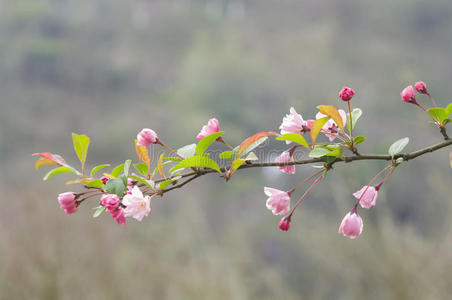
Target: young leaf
{"points": [[398, 146], [100, 209], [80, 180], [127, 167], [117, 171], [177, 159], [115, 186], [143, 154], [252, 143], [294, 137], [197, 161], [359, 139], [165, 183], [203, 144], [142, 168], [81, 143], [148, 183], [319, 152], [316, 127], [438, 113], [331, 111], [449, 109], [96, 184], [47, 158], [159, 166], [98, 168], [226, 155], [251, 156], [356, 114], [58, 170], [187, 151]]}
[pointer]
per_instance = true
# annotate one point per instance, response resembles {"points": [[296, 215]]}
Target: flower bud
{"points": [[346, 93], [146, 137], [110, 201], [421, 87], [104, 179], [212, 126], [67, 202], [278, 201], [408, 95], [367, 196], [351, 225], [284, 224]]}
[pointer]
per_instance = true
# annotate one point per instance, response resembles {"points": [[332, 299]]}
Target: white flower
{"points": [[137, 206]]}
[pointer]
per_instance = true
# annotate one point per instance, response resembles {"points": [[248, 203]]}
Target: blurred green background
{"points": [[108, 68]]}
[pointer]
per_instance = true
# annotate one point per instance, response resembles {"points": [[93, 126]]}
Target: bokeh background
{"points": [[108, 68]]}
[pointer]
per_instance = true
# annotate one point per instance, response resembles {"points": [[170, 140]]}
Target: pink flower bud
{"points": [[351, 225], [346, 93], [367, 196], [104, 179], [119, 216], [284, 224], [408, 95], [67, 202], [212, 126], [110, 201], [278, 201], [146, 137], [421, 87], [285, 157]]}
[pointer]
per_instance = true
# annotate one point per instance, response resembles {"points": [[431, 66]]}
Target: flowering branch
{"points": [[125, 194]]}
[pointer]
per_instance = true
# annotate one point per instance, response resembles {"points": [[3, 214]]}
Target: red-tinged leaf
{"points": [[331, 111], [251, 140], [143, 154], [47, 158], [316, 127]]}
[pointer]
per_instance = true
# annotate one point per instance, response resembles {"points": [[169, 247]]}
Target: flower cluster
{"points": [[126, 193]]}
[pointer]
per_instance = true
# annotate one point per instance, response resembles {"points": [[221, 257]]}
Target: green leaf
{"points": [[187, 151], [251, 156], [96, 184], [356, 114], [173, 158], [99, 210], [206, 142], [165, 183], [359, 139], [449, 109], [294, 137], [142, 168], [319, 152], [336, 151], [81, 143], [197, 161], [149, 183], [237, 163], [98, 168], [117, 170], [115, 186], [226, 154], [447, 121], [127, 167], [398, 146], [316, 127], [438, 113], [59, 170]]}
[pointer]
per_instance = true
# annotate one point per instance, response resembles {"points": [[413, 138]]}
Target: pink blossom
{"points": [[119, 216], [278, 201], [146, 137], [346, 93], [285, 157], [294, 123], [331, 129], [369, 198], [421, 87], [110, 201], [351, 225], [284, 224], [67, 202], [212, 126], [137, 205], [408, 95]]}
